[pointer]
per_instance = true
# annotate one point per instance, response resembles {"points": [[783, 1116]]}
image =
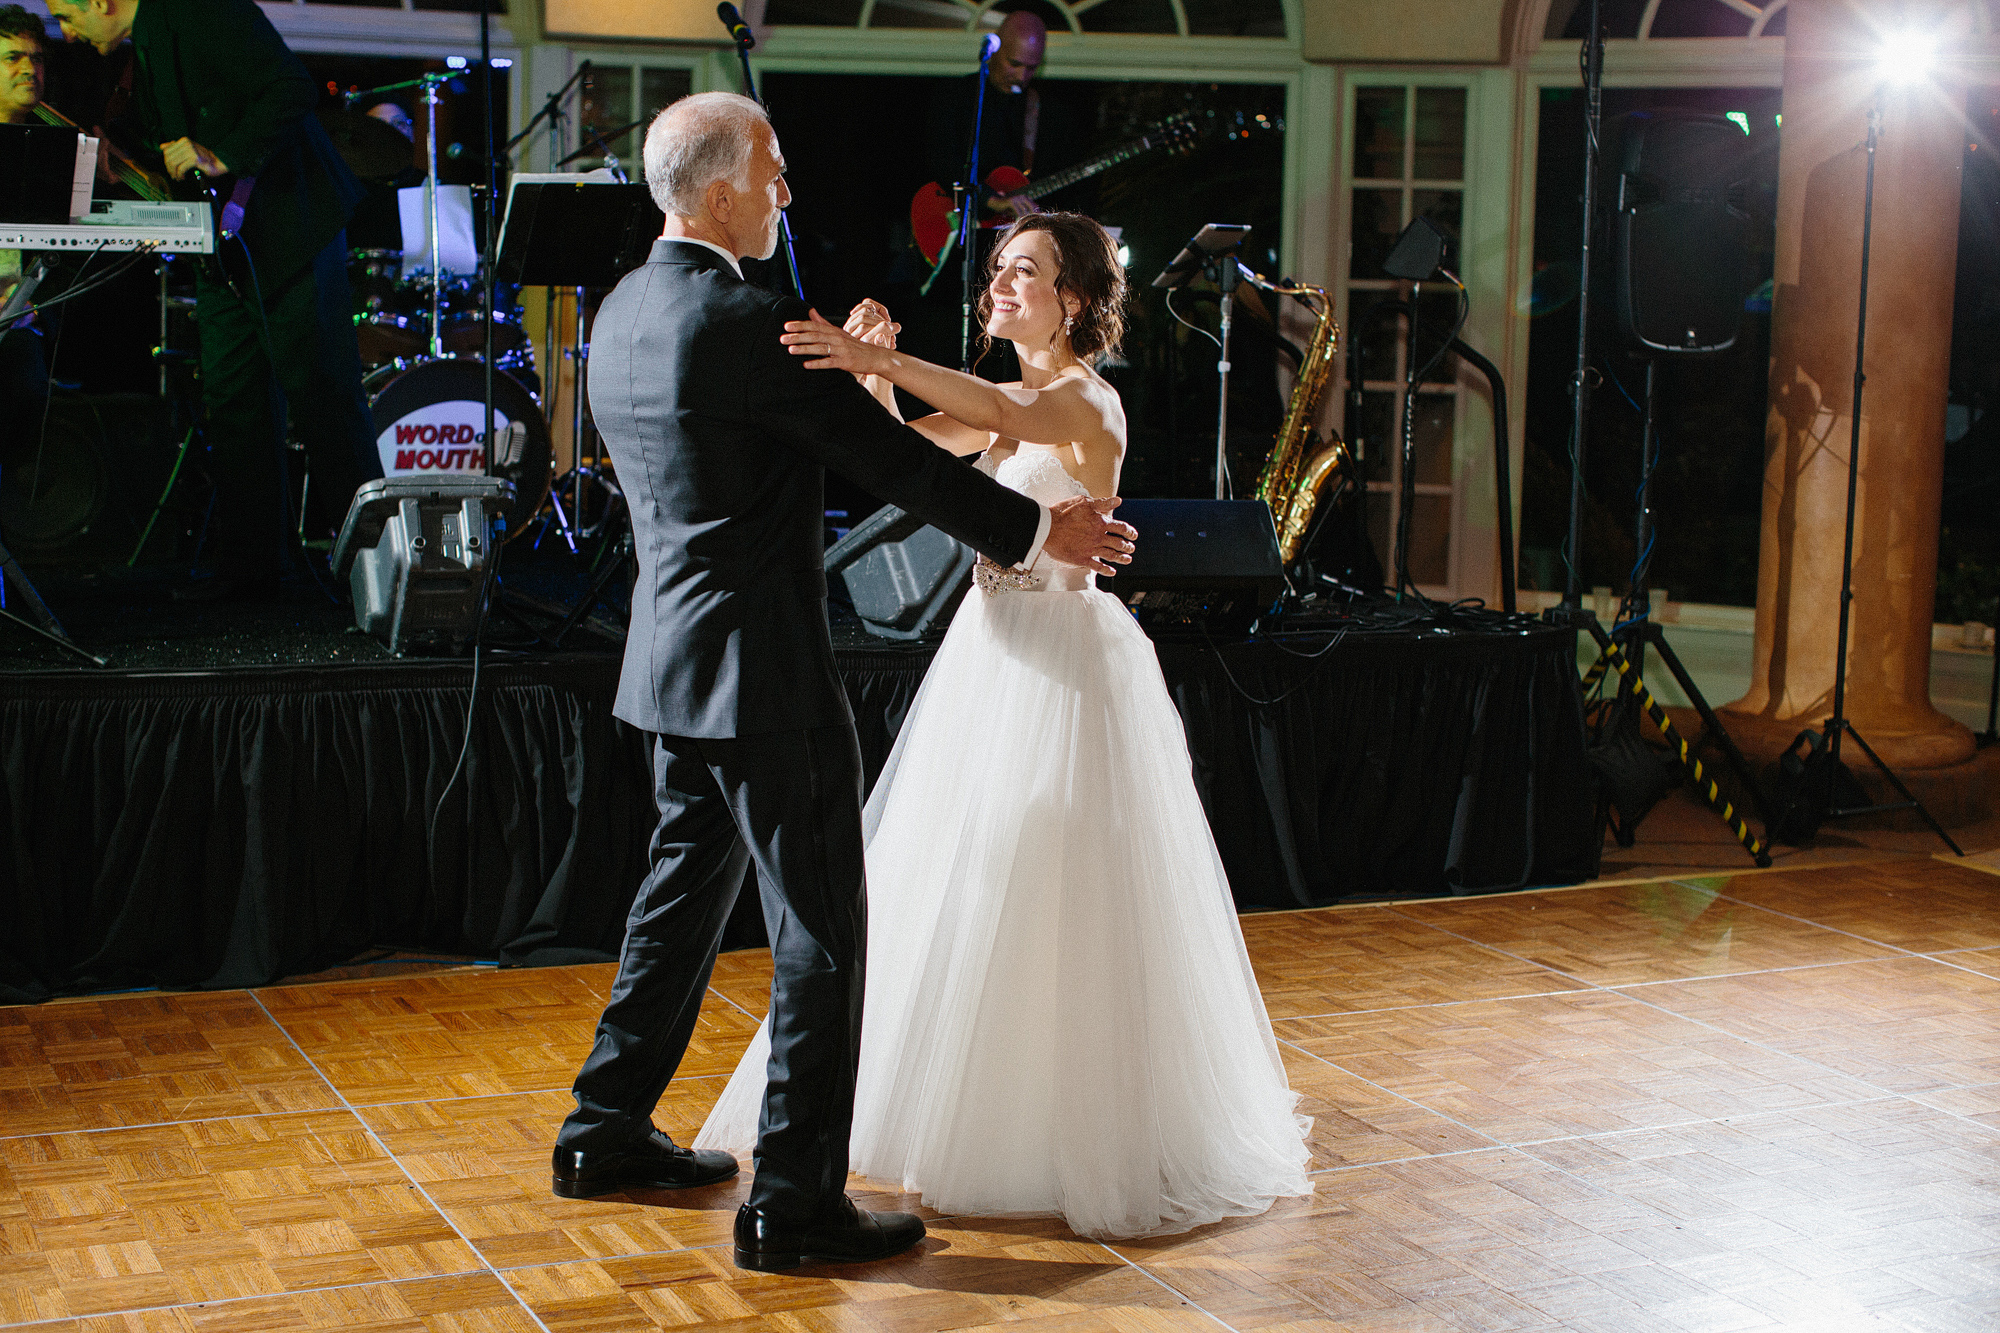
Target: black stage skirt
{"points": [[227, 828]]}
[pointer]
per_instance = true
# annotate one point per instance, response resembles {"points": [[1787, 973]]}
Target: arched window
{"points": [[1647, 19], [1185, 18]]}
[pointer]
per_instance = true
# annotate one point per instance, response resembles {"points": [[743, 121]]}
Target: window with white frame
{"points": [[1406, 159]]}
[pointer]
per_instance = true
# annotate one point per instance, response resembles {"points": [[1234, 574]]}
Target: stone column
{"points": [[1831, 79]]}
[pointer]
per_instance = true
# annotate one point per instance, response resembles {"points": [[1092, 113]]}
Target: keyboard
{"points": [[121, 224]]}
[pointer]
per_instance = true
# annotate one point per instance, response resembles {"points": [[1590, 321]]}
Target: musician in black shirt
{"points": [[231, 106]]}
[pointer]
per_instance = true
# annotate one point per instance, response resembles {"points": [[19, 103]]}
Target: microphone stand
{"points": [[428, 84], [551, 110], [744, 41], [968, 212], [487, 257], [1227, 274]]}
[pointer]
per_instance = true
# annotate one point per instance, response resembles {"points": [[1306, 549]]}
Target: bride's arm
{"points": [[952, 436], [1072, 408]]}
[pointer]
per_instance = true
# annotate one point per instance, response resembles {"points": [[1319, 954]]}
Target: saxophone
{"points": [[1301, 465]]}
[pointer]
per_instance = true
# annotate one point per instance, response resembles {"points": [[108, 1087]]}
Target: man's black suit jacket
{"points": [[721, 437], [217, 72]]}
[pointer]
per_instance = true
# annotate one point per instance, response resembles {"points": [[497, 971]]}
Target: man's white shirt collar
{"points": [[734, 267]]}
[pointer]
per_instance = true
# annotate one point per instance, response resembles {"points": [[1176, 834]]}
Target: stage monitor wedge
{"points": [[414, 551], [904, 578], [1200, 565]]}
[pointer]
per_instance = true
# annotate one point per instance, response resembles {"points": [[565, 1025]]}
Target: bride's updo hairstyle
{"points": [[1087, 269]]}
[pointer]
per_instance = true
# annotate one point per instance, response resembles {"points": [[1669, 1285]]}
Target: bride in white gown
{"points": [[1060, 1017]]}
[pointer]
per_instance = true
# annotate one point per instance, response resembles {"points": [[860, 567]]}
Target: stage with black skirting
{"points": [[189, 818]]}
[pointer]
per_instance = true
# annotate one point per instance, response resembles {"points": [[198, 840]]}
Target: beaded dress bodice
{"points": [[1039, 475]]}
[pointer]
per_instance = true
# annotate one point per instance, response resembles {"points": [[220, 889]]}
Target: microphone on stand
{"points": [[988, 44], [732, 19]]}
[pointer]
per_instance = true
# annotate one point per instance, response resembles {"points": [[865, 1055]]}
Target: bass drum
{"points": [[430, 420]]}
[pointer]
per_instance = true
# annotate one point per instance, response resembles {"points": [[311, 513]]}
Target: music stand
{"points": [[570, 231], [561, 230]]}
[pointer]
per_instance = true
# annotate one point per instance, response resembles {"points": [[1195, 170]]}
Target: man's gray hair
{"points": [[696, 142]]}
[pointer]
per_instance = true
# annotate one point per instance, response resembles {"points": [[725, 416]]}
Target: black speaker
{"points": [[1200, 565], [80, 495], [1680, 247], [903, 576]]}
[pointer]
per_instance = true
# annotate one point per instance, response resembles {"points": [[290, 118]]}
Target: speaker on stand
{"points": [[1680, 258]]}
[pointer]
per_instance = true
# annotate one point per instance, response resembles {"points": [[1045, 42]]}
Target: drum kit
{"points": [[420, 320]]}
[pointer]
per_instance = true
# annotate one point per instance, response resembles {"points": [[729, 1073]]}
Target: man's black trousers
{"points": [[791, 803], [299, 357]]}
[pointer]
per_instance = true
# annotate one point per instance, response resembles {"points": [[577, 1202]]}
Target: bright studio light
{"points": [[1906, 57]]}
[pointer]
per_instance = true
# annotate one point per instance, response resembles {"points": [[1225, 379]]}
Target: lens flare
{"points": [[1906, 57]]}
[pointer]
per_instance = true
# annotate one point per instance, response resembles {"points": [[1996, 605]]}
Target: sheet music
{"points": [[86, 176], [457, 252]]}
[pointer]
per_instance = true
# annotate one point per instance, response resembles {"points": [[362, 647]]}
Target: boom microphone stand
{"points": [[740, 32], [1827, 789], [968, 209]]}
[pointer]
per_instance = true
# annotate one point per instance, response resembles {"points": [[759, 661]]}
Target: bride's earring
{"points": [[1068, 320]]}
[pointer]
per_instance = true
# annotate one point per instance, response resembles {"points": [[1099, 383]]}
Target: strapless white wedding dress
{"points": [[1060, 1016]]}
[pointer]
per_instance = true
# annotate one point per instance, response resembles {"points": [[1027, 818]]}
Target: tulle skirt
{"points": [[1060, 1016]]}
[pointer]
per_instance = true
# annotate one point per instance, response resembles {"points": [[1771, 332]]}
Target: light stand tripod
{"points": [[1827, 790]]}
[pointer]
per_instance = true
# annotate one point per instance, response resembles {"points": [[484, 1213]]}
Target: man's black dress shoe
{"points": [[654, 1163], [767, 1245]]}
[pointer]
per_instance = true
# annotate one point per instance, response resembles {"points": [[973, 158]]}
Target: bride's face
{"points": [[1026, 306]]}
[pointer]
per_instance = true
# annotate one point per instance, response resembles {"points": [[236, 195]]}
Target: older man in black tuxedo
{"points": [[722, 439]]}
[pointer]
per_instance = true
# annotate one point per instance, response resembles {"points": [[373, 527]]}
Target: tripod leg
{"points": [[1901, 790], [17, 579], [12, 576], [160, 504], [1704, 784], [1711, 724], [621, 553]]}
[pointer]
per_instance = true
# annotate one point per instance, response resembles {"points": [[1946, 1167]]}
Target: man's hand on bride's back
{"points": [[1082, 533]]}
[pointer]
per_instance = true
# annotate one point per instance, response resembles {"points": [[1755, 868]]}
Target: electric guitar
{"points": [[934, 222]]}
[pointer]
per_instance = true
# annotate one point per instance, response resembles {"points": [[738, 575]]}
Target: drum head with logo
{"points": [[430, 420]]}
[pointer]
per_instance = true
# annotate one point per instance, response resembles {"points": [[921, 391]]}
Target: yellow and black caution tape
{"points": [[1703, 783]]}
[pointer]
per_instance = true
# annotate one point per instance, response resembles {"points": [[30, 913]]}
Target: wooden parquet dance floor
{"points": [[1748, 1101]]}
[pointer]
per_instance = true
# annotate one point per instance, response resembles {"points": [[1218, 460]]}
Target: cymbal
{"points": [[370, 148]]}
